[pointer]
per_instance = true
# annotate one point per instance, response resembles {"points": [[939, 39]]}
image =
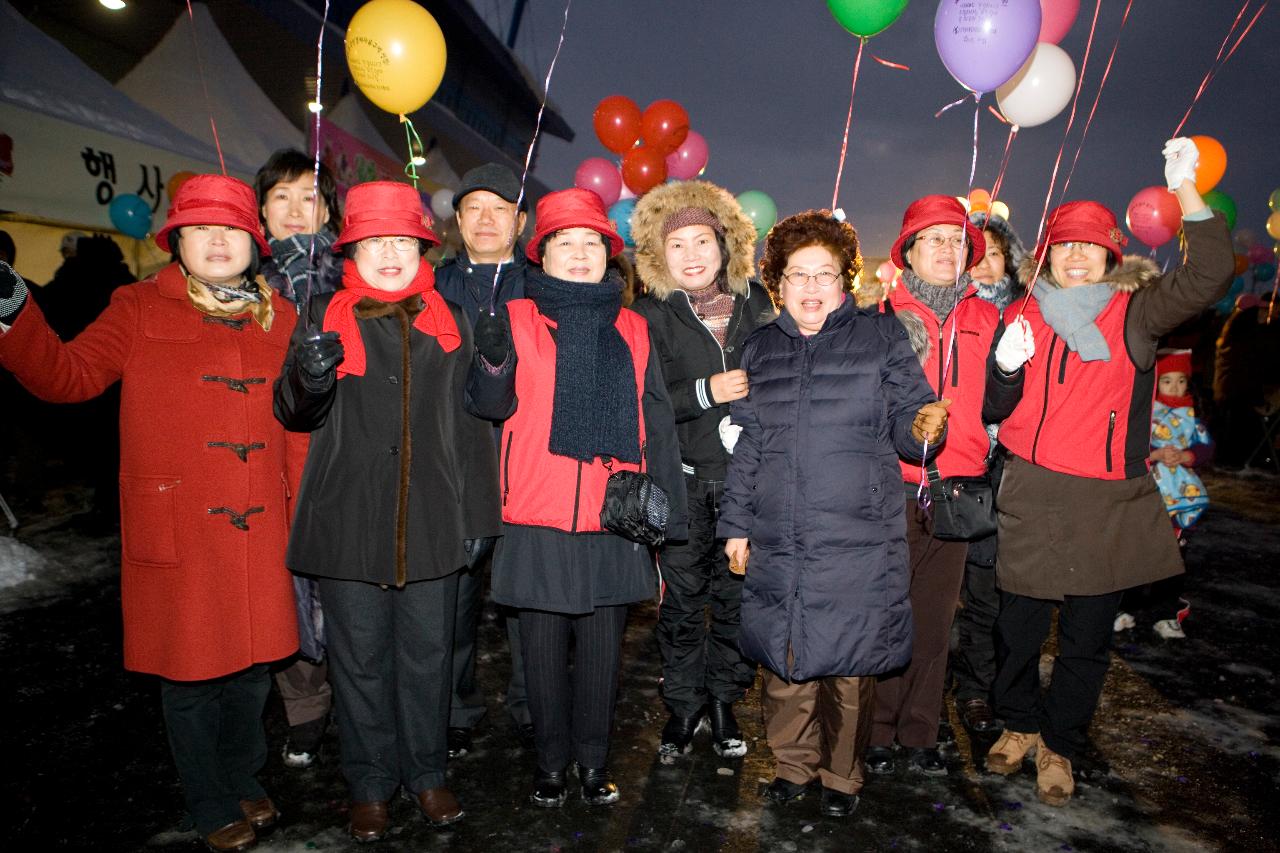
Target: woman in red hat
{"points": [[398, 492], [952, 331], [1080, 516], [206, 597], [571, 374]]}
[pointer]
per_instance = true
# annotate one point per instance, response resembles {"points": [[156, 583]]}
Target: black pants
{"points": [[390, 663], [218, 742], [700, 662], [974, 661], [1062, 715], [572, 710], [467, 706]]}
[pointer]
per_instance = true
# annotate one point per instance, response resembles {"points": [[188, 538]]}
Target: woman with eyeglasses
{"points": [[399, 487], [1081, 519], [812, 508], [952, 332]]}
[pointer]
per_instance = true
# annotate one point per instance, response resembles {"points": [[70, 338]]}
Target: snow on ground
{"points": [[17, 562]]}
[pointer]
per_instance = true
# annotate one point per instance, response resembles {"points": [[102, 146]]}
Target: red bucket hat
{"points": [[383, 209], [1086, 222], [937, 210], [214, 200], [572, 208]]}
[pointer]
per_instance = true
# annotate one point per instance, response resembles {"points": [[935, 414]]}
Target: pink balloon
{"points": [[1056, 18], [689, 159], [601, 177], [1154, 216], [1259, 254], [885, 272]]}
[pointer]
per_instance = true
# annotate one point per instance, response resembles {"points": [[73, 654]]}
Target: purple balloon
{"points": [[984, 42]]}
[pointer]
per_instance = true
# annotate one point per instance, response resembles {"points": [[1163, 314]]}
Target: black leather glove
{"points": [[478, 549], [493, 337], [13, 294], [317, 357]]}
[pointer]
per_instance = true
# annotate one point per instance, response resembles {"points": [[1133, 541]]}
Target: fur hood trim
{"points": [[652, 211], [1137, 272]]}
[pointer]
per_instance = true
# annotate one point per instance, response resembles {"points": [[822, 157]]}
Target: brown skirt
{"points": [[1066, 535]]}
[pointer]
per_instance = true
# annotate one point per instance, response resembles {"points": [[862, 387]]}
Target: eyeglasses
{"points": [[937, 241], [798, 279], [1071, 246], [400, 244]]}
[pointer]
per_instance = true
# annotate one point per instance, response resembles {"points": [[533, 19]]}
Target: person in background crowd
{"points": [[491, 218], [299, 228], [1080, 516], [1246, 382], [695, 250], [952, 332], [812, 509], [208, 603], [574, 377], [400, 486]]}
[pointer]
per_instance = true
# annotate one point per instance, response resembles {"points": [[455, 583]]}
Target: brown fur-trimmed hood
{"points": [[652, 211], [1135, 273]]}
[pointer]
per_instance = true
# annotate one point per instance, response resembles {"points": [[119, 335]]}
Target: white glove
{"points": [[1017, 344], [729, 433], [1180, 160]]}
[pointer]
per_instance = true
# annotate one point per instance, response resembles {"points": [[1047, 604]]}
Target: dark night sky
{"points": [[767, 83]]}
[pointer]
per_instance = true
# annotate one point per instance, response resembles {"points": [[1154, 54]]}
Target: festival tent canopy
{"points": [[350, 116]]}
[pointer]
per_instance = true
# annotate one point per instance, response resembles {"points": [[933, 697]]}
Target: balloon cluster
{"points": [[979, 201], [1154, 215]]}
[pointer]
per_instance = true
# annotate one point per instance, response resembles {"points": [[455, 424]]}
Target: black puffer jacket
{"points": [[690, 356]]}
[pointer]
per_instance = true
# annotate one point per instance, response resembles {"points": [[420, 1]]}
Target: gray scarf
{"points": [[941, 300], [1071, 312]]}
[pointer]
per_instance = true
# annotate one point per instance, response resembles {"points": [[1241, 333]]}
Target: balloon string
{"points": [[1004, 163], [848, 121], [315, 173], [995, 112], [1218, 59], [957, 102], [528, 156], [887, 64], [410, 137], [195, 44]]}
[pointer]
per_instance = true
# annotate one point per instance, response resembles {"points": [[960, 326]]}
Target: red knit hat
{"points": [[1085, 222], [1173, 361], [214, 200], [383, 209], [572, 208], [937, 210]]}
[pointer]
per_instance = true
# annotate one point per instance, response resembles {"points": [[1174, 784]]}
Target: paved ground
{"points": [[1185, 744]]}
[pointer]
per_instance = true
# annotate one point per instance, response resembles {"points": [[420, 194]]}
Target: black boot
{"points": [[548, 789], [879, 760], [597, 788], [677, 734], [726, 737]]}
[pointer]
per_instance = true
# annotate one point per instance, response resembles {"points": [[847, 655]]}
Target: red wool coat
{"points": [[204, 587]]}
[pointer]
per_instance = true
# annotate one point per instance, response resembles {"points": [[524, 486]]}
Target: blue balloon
{"points": [[1225, 305], [620, 213], [131, 215], [1264, 271]]}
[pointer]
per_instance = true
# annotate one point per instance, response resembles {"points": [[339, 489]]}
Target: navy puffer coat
{"points": [[814, 484]]}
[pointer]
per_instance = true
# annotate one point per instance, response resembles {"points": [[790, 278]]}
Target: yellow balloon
{"points": [[999, 208], [396, 54], [1273, 225]]}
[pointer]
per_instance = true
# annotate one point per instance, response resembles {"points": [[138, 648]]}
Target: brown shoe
{"points": [[1005, 756], [440, 806], [1054, 782], [237, 835], [262, 814], [368, 821]]}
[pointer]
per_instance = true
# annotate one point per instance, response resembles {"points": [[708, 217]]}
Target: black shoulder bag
{"points": [[964, 508], [635, 507]]}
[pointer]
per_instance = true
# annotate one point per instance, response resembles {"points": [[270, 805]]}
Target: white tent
{"points": [[167, 81]]}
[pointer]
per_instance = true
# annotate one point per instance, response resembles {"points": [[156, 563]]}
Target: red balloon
{"points": [[689, 159], [1154, 216], [664, 126], [601, 177], [643, 169], [617, 123]]}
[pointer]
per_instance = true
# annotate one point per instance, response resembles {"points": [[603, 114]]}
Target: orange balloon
{"points": [[1273, 225], [979, 200], [1213, 163], [1242, 264], [176, 181]]}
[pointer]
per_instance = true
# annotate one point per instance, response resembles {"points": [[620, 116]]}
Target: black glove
{"points": [[317, 357], [13, 294], [493, 337], [478, 549]]}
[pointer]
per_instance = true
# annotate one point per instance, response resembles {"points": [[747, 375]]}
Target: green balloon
{"points": [[1224, 204], [865, 18], [761, 209], [1275, 199]]}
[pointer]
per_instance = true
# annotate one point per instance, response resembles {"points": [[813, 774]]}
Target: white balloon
{"points": [[442, 203], [1041, 89]]}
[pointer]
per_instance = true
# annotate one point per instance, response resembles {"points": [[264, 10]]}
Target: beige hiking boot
{"points": [[1054, 782], [1005, 756]]}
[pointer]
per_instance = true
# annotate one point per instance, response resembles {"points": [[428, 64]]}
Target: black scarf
{"points": [[594, 411]]}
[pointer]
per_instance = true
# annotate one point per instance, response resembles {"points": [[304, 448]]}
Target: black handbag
{"points": [[964, 508], [635, 507]]}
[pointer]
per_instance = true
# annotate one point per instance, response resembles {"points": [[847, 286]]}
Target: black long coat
{"points": [[383, 500]]}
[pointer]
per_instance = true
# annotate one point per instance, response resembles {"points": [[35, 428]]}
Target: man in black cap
{"points": [[490, 223]]}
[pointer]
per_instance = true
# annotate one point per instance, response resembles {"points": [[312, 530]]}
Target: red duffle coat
{"points": [[204, 587]]}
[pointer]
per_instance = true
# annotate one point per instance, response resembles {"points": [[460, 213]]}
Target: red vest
{"points": [[538, 487], [1088, 419], [965, 452]]}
